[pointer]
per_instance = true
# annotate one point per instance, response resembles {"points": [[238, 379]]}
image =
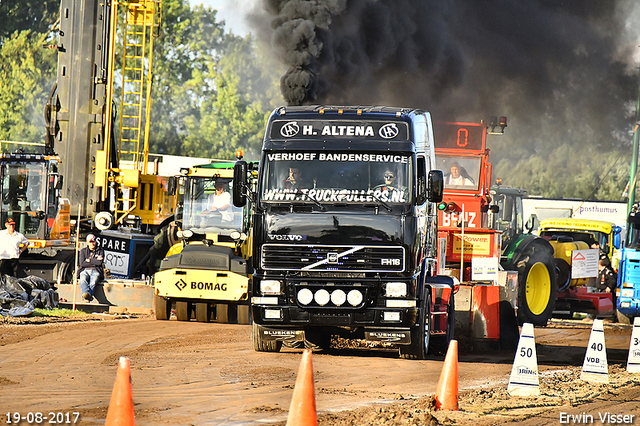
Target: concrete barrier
{"points": [[114, 296]]}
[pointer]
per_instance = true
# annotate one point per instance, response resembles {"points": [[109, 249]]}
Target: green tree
{"points": [[565, 172], [26, 77], [36, 16], [212, 92]]}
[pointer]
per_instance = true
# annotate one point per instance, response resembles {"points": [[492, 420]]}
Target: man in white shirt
{"points": [[221, 202], [456, 177], [12, 245]]}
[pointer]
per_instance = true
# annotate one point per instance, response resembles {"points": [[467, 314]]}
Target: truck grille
{"points": [[290, 257]]}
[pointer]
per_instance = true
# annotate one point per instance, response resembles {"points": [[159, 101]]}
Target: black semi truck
{"points": [[344, 230]]}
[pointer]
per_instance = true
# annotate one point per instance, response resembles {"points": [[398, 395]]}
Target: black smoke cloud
{"points": [[558, 69], [563, 72]]}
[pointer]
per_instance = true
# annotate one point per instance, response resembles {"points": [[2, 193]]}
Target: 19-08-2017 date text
{"points": [[37, 418]]}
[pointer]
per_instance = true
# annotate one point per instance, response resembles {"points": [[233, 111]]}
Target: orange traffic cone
{"points": [[302, 411], [120, 411], [447, 389]]}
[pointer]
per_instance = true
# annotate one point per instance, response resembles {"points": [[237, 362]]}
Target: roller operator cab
{"points": [[206, 273], [344, 228]]}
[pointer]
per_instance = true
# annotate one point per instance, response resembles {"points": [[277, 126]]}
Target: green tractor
{"points": [[529, 254]]}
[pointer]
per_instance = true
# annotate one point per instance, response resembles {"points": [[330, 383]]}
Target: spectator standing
{"points": [[12, 245], [90, 267], [607, 280]]}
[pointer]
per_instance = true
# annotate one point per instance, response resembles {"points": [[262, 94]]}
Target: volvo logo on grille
{"points": [[181, 284], [332, 257]]}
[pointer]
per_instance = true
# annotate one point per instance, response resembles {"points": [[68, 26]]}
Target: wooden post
{"points": [[75, 275]]}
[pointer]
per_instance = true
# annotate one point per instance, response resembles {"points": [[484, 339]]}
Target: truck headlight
{"points": [[322, 297], [338, 297], [626, 292], [396, 289], [305, 296], [354, 297], [270, 287]]}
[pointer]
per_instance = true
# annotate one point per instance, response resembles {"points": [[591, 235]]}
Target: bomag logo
{"points": [[208, 286], [181, 284]]}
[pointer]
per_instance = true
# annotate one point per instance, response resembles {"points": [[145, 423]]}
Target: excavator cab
{"points": [[30, 185]]}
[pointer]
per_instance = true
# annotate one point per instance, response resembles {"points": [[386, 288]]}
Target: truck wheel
{"points": [[183, 311], [244, 314], [203, 312], [163, 308], [261, 345], [420, 333], [623, 319], [440, 344], [537, 289], [222, 313]]}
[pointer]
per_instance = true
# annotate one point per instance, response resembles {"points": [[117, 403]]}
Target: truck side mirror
{"points": [[172, 185], [239, 183], [436, 186], [421, 189], [58, 182], [617, 231]]}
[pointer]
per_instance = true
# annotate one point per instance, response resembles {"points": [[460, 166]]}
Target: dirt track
{"points": [[208, 374]]}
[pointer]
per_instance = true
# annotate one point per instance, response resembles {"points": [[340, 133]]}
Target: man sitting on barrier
{"points": [[90, 267]]}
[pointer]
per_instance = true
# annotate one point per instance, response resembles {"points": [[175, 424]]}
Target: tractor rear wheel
{"points": [[537, 289]]}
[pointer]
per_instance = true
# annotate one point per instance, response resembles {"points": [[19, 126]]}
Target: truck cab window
{"points": [[23, 194], [208, 208], [459, 172], [337, 178]]}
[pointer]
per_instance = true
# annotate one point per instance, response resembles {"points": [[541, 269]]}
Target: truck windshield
{"points": [[208, 207], [588, 237], [633, 235], [337, 177], [24, 194], [459, 172]]}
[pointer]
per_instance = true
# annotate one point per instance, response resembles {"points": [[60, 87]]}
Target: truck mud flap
{"points": [[284, 335], [398, 336]]}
